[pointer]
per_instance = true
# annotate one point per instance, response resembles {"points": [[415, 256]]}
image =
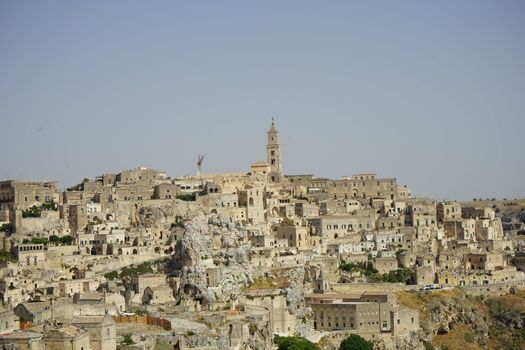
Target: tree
{"points": [[294, 343], [66, 240], [356, 342], [128, 340], [54, 239], [37, 240], [7, 228]]}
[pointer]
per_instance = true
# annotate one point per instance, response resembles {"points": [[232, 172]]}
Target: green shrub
{"points": [[33, 212], [7, 256], [39, 241], [50, 205], [187, 197], [428, 345], [66, 240], [7, 228], [356, 342], [397, 276], [128, 340], [469, 337], [366, 269], [77, 187], [293, 343]]}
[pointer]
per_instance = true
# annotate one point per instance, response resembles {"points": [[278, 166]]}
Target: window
{"points": [[385, 325], [37, 198]]}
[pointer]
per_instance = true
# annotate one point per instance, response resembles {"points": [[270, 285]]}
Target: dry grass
{"points": [[456, 339], [420, 301], [269, 283], [511, 302]]}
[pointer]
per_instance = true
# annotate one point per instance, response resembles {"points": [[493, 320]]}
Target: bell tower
{"points": [[273, 153]]}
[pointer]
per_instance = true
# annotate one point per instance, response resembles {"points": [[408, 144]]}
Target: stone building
{"points": [[23, 340], [294, 232], [8, 321], [446, 211], [421, 212], [367, 313], [30, 254], [24, 194], [252, 198], [67, 337], [101, 329]]}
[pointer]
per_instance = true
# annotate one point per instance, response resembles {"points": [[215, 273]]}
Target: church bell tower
{"points": [[273, 153]]}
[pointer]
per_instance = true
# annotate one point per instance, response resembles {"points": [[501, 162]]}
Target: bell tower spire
{"points": [[273, 153]]}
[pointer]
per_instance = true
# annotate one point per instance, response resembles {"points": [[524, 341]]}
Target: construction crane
{"points": [[200, 158]]}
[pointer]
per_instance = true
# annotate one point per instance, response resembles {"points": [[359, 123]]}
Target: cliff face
{"points": [[207, 242], [456, 320]]}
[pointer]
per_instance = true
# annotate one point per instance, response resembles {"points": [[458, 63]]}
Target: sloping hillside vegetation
{"points": [[456, 320]]}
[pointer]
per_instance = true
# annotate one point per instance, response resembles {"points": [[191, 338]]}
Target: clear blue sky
{"points": [[430, 92]]}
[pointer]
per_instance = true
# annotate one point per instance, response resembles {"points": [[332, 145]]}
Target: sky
{"points": [[429, 92]]}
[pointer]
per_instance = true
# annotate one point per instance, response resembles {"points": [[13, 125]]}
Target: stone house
{"points": [[33, 312], [385, 265], [157, 295], [101, 329], [8, 321], [365, 313], [66, 338], [23, 340]]}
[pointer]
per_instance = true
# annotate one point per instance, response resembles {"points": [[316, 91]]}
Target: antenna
{"points": [[200, 158]]}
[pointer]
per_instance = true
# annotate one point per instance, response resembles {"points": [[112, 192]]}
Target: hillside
{"points": [[456, 320], [511, 212]]}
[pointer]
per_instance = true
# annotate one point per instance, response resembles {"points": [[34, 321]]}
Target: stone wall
{"points": [[154, 321], [359, 288]]}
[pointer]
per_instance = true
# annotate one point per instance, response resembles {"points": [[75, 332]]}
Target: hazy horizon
{"points": [[430, 93]]}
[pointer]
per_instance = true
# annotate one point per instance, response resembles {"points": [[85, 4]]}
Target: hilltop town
{"points": [[141, 260]]}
